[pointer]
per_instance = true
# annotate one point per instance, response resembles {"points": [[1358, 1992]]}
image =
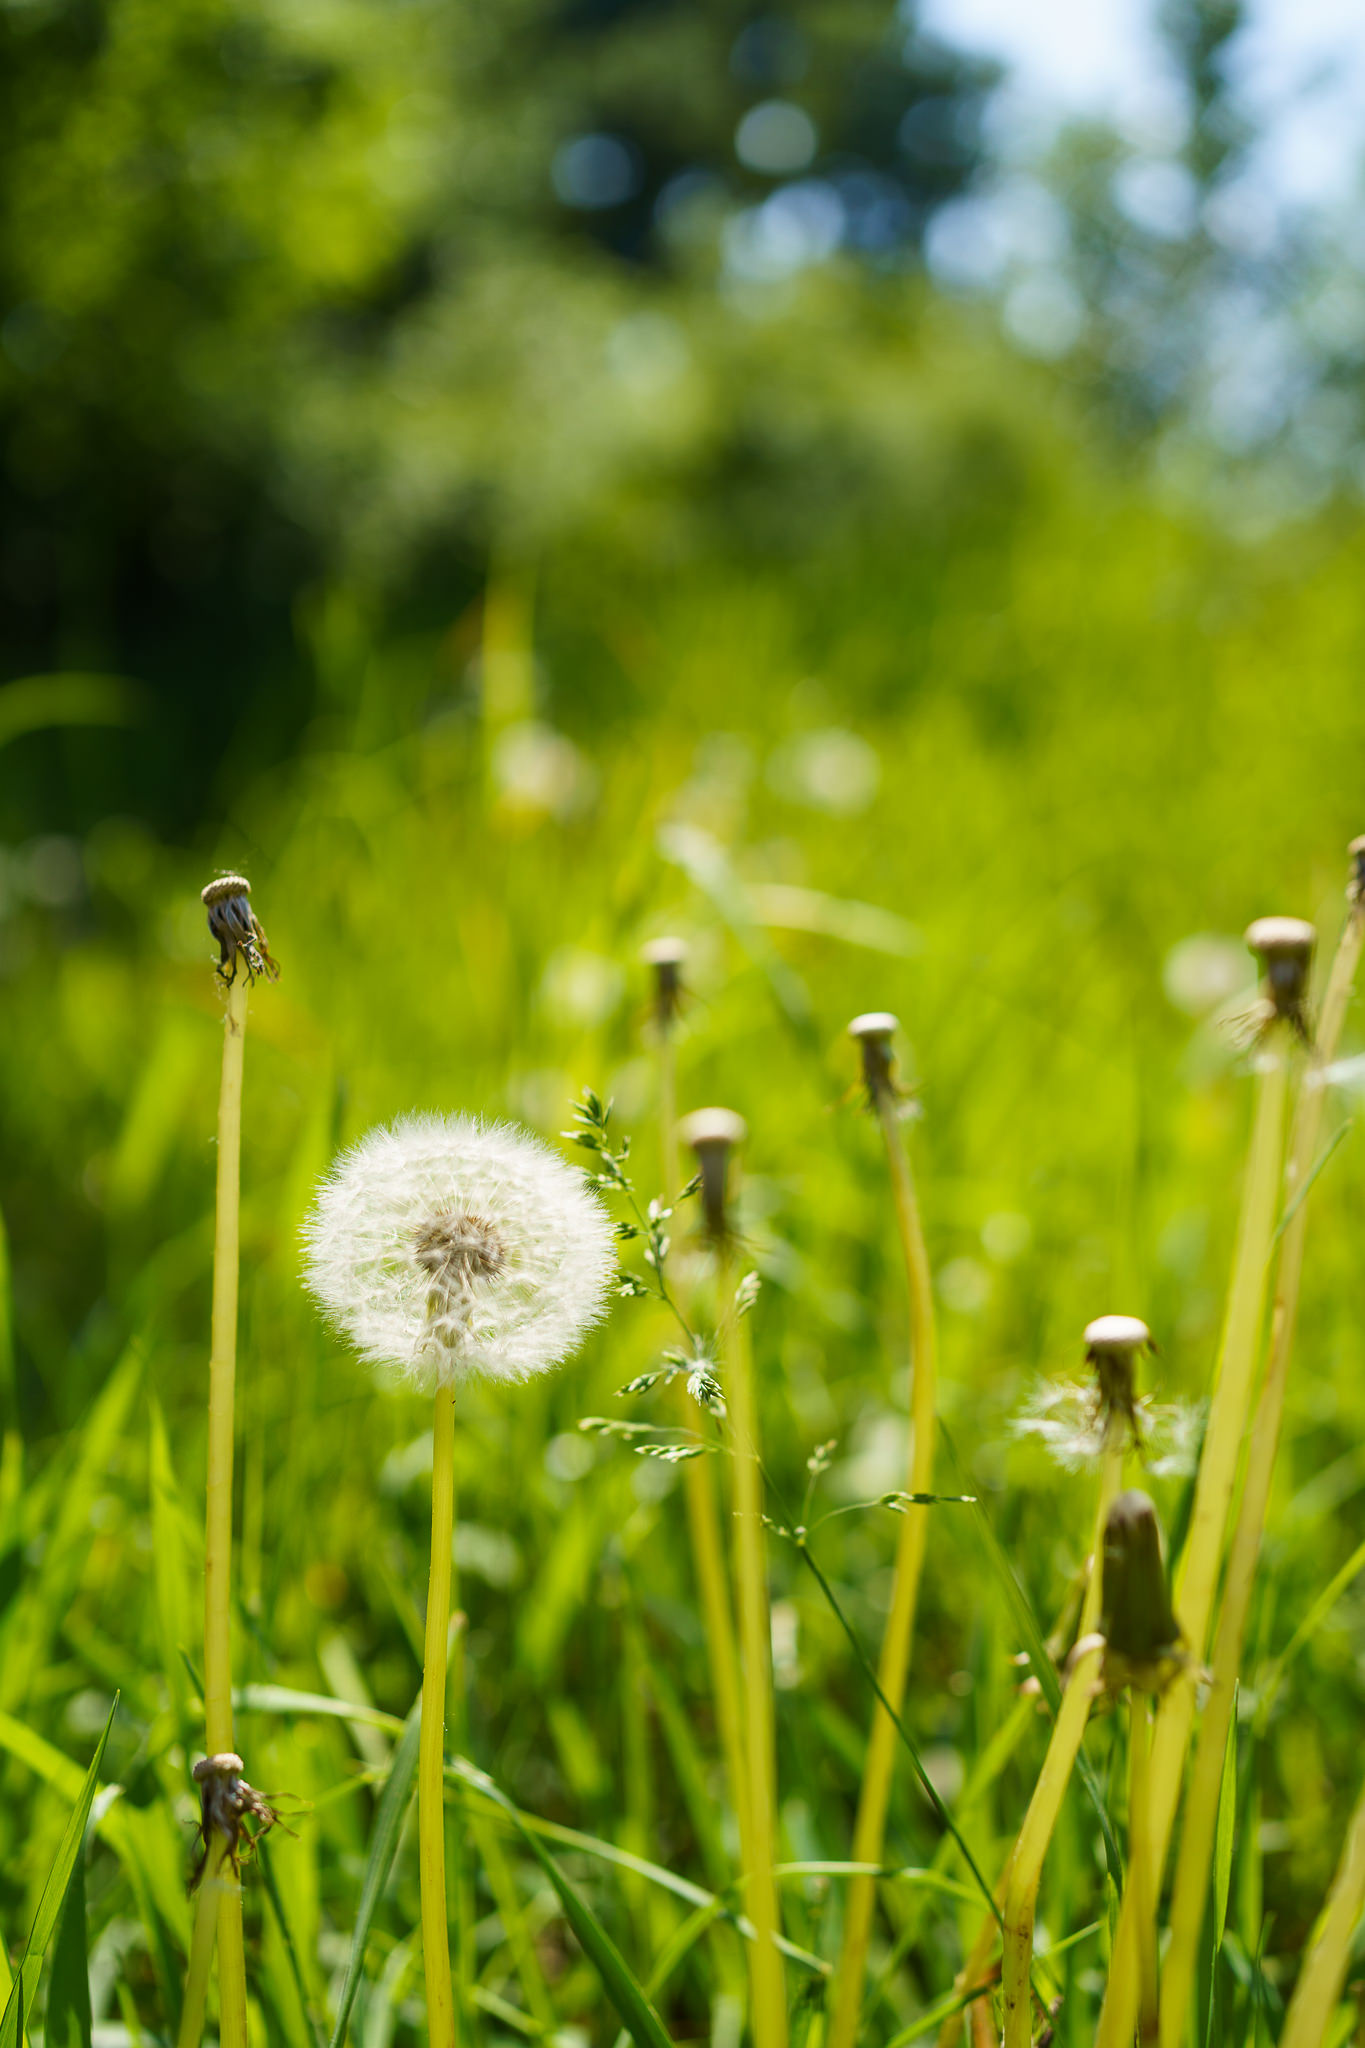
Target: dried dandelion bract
{"points": [[448, 1248]]}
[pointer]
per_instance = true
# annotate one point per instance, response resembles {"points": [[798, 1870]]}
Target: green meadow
{"points": [[1021, 775]]}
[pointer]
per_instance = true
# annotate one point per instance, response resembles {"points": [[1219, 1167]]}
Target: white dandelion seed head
{"points": [[449, 1248]]}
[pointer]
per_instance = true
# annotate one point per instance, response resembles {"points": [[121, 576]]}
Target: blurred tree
{"points": [[298, 290]]}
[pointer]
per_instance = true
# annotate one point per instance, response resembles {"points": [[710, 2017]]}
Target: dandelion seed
{"points": [[448, 1248]]}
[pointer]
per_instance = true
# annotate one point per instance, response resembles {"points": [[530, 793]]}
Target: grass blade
{"points": [[53, 1896], [69, 2023], [388, 1822]]}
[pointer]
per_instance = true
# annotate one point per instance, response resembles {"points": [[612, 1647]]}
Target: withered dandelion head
{"points": [[666, 956], [234, 924], [448, 1248], [227, 1804], [1077, 1423], [873, 1032], [1355, 888], [713, 1135], [1285, 945]]}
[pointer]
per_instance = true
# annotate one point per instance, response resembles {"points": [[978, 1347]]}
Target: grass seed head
{"points": [[1285, 945], [1142, 1637], [234, 924], [713, 1135], [448, 1248]]}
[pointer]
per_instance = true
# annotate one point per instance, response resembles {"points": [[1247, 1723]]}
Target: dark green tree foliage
{"points": [[284, 289], [1197, 34]]}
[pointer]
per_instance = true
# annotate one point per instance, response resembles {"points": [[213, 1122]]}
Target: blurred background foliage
{"points": [[515, 482]]}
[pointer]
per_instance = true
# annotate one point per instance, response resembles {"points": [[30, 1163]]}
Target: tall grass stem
{"points": [[1201, 1808], [1197, 1578], [431, 1757], [1307, 2022], [869, 1832], [218, 1730], [1024, 1868], [758, 1796]]}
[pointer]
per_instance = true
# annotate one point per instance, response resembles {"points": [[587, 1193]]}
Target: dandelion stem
{"points": [[1201, 1810], [874, 1797], [430, 1773], [218, 1733], [1307, 2023], [1024, 1869], [1141, 1865], [206, 1911], [757, 1788], [1198, 1574]]}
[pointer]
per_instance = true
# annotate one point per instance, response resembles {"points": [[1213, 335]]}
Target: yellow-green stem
{"points": [[1198, 1575], [1024, 1869], [869, 1832], [758, 1790], [206, 1909], [430, 1756], [218, 1733], [1324, 1970], [1201, 1809], [1141, 1865]]}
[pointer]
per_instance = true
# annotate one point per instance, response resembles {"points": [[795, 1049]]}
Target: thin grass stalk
{"points": [[1141, 1863], [1201, 1808], [218, 1729], [431, 1753], [1198, 1575], [699, 1483], [1024, 1869], [206, 1908], [758, 1800], [869, 1832], [1329, 1954]]}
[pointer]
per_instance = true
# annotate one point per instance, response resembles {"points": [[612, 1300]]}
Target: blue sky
{"points": [[1299, 66]]}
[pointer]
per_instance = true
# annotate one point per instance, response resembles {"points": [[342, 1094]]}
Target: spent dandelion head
{"points": [[1355, 887], [234, 924], [874, 1032], [665, 956], [449, 1248], [1143, 1646], [1285, 945], [713, 1135], [1077, 1422], [227, 1804]]}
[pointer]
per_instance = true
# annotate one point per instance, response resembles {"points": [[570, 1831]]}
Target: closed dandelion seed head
{"points": [[1143, 1645], [448, 1249]]}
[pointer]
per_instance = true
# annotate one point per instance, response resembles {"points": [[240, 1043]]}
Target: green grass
{"points": [[1098, 733]]}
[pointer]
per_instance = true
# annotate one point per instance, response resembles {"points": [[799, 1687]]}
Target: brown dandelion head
{"points": [[227, 1805], [234, 924], [874, 1031], [1355, 888], [713, 1135], [666, 957], [1285, 945]]}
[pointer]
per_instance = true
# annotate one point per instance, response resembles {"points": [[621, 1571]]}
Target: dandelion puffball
{"points": [[448, 1248]]}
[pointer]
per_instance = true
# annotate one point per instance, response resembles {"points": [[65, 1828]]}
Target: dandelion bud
{"points": [[1142, 1637], [1355, 888], [712, 1134], [234, 924], [666, 957], [1285, 945], [874, 1031]]}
